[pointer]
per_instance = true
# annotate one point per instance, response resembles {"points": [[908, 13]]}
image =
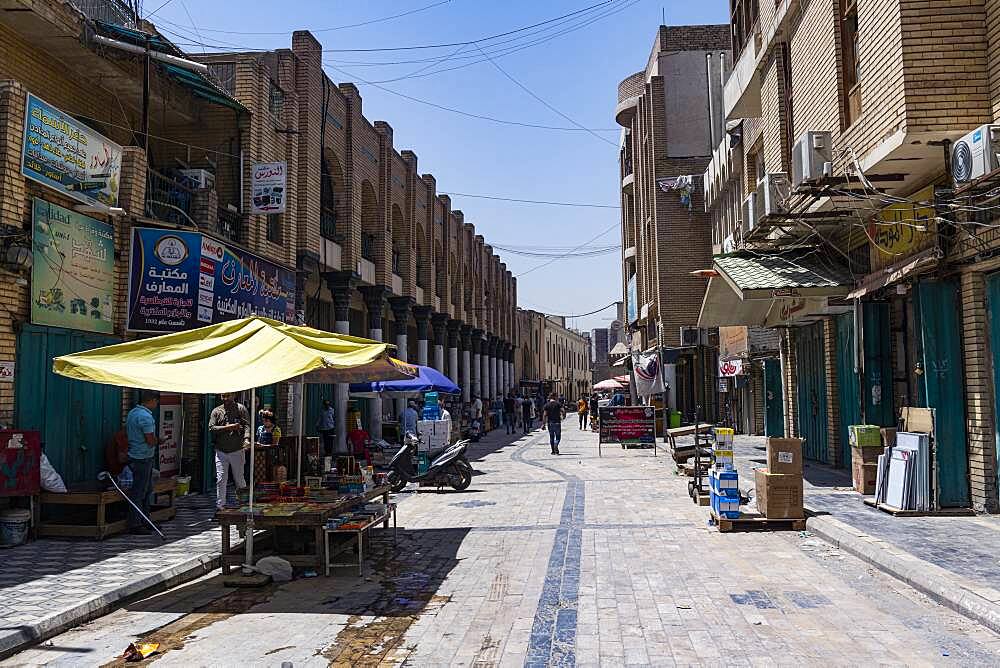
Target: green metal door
{"points": [[849, 386], [811, 399], [76, 418], [941, 339], [879, 402], [774, 409], [993, 308]]}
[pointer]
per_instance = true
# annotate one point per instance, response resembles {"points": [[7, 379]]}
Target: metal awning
{"points": [[199, 85], [771, 289], [804, 272], [896, 272]]}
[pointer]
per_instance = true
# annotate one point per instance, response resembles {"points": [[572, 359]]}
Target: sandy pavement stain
{"points": [[175, 634]]}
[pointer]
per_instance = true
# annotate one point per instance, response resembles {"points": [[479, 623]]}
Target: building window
{"points": [[224, 74], [327, 204], [849, 63], [274, 228], [368, 247], [276, 101], [743, 16], [397, 260]]}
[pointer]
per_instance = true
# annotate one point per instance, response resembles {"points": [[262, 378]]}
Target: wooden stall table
{"points": [[683, 454], [313, 518], [94, 495]]}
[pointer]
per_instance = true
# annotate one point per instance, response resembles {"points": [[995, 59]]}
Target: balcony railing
{"points": [[114, 12], [328, 224], [168, 199], [230, 224]]}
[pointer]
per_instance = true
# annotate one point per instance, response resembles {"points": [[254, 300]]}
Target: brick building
{"points": [[365, 245], [845, 215], [667, 142], [551, 357]]}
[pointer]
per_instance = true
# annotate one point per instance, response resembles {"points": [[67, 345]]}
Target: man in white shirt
{"points": [[477, 408]]}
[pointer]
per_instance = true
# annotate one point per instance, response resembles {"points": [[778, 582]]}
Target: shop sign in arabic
{"points": [[72, 269], [268, 184], [627, 424], [729, 368], [896, 233], [64, 154], [181, 280]]}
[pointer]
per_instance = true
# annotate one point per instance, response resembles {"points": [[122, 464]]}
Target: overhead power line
{"points": [[535, 201], [576, 248]]}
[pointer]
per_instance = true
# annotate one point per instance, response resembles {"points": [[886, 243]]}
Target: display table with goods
{"points": [[353, 526], [298, 517], [777, 488], [93, 502]]}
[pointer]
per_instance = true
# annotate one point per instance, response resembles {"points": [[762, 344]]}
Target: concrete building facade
{"points": [[552, 357]]}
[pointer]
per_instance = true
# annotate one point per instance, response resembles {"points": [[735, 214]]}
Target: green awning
{"points": [[199, 85]]}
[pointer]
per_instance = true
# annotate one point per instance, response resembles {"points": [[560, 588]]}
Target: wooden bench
{"points": [[94, 495]]}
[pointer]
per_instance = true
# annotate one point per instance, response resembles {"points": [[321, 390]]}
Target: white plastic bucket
{"points": [[14, 526]]}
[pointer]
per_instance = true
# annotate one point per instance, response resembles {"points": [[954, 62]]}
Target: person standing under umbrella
{"points": [[326, 425], [229, 425]]}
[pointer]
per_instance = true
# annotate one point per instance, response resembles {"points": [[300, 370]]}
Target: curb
{"points": [[978, 603], [27, 635]]}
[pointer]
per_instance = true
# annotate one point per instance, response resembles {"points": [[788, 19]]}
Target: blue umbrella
{"points": [[427, 380]]}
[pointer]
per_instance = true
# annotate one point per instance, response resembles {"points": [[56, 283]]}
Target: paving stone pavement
{"points": [[46, 582], [968, 547], [555, 560]]}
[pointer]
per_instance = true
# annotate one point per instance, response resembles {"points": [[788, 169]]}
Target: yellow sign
{"points": [[901, 230]]}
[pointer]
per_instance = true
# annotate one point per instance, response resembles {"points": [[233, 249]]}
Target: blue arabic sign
{"points": [[64, 154], [631, 308], [181, 280]]}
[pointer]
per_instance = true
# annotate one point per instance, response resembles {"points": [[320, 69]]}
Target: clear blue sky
{"points": [[577, 73]]}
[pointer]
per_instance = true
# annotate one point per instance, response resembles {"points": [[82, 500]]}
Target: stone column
{"points": [[509, 365], [439, 322], [401, 313], [341, 285], [484, 377], [422, 314], [466, 334], [454, 328], [375, 300], [494, 366], [477, 367]]}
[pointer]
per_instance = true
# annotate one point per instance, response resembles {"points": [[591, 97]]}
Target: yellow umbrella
{"points": [[234, 356]]}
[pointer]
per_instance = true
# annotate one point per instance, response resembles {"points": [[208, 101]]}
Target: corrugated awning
{"points": [[199, 85], [896, 272], [793, 273]]}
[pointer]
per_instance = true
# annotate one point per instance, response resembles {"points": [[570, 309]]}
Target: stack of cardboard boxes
{"points": [[866, 446], [724, 483], [779, 486]]}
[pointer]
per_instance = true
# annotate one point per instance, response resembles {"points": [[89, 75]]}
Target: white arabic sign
{"points": [[6, 372], [267, 183]]}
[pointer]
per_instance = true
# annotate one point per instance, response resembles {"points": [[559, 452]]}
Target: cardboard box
{"points": [[866, 455], [864, 436], [863, 475], [784, 455], [779, 496]]}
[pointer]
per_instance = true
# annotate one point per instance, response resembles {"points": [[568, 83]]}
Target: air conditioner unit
{"points": [[199, 178], [694, 336], [772, 194], [976, 154], [810, 155], [750, 212]]}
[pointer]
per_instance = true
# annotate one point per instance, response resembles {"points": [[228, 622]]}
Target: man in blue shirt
{"points": [[410, 418], [140, 428]]}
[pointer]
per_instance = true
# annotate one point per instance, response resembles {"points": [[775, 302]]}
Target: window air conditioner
{"points": [[693, 336], [199, 178], [812, 157], [772, 193], [976, 154]]}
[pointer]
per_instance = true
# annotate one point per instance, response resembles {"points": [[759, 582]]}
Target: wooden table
{"points": [[309, 519], [93, 494], [688, 430]]}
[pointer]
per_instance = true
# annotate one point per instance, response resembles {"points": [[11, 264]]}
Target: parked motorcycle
{"points": [[448, 468]]}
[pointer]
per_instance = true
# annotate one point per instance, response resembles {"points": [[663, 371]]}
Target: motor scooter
{"points": [[448, 468]]}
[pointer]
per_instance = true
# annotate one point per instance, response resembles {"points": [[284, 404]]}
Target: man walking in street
{"points": [[410, 418], [552, 416], [229, 425], [527, 407], [581, 411], [509, 412], [476, 409], [140, 429]]}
